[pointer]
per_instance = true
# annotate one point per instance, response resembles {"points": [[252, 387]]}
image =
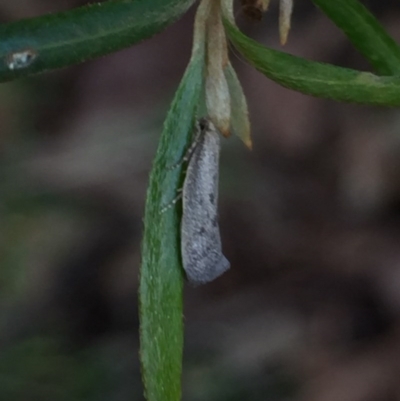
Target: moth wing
{"points": [[202, 256]]}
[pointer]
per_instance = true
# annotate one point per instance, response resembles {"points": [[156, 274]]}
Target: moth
{"points": [[201, 248]]}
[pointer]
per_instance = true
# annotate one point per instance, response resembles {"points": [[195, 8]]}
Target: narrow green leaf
{"points": [[53, 41], [161, 278], [317, 79], [365, 32]]}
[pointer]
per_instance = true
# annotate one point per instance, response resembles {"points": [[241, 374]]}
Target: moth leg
{"points": [[189, 151], [172, 203]]}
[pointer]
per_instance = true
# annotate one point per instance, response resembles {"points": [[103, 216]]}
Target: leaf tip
{"points": [[249, 143], [285, 14]]}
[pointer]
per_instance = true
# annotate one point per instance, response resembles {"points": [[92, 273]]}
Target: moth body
{"points": [[202, 256]]}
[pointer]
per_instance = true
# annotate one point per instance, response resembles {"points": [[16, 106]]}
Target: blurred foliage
{"points": [[39, 370]]}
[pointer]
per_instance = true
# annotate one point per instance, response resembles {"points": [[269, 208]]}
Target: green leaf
{"points": [[240, 122], [317, 79], [161, 277], [365, 32], [58, 40]]}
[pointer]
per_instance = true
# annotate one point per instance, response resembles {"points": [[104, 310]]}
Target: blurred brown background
{"points": [[310, 221]]}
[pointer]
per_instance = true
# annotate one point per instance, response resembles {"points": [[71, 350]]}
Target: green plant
{"points": [[209, 83]]}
